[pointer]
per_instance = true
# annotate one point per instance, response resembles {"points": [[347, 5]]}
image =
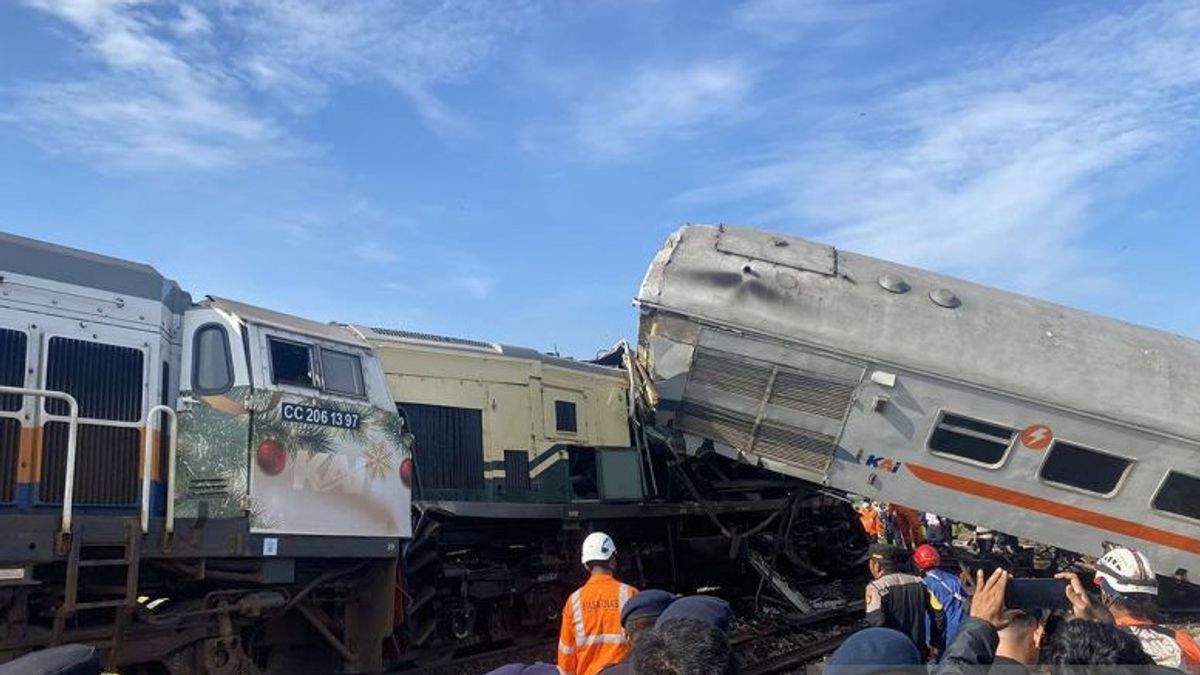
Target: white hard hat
{"points": [[597, 546], [1125, 570]]}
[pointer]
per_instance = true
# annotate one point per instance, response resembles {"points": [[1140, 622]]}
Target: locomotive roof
{"points": [[269, 317], [391, 335], [796, 290], [30, 257]]}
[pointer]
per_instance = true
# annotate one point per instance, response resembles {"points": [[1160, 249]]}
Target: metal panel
{"points": [[13, 345], [778, 249], [516, 471], [724, 426], [10, 448], [798, 447], [813, 395], [107, 469], [737, 376], [448, 452], [105, 379]]}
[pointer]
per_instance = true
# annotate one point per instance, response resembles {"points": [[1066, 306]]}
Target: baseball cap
{"points": [[706, 608], [647, 603]]}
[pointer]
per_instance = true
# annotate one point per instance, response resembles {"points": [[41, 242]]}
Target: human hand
{"points": [[1081, 603], [988, 603]]}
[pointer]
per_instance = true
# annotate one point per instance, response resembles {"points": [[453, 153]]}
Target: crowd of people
{"points": [[920, 618], [1120, 629]]}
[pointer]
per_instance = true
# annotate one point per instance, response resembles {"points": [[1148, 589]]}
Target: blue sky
{"points": [[507, 169]]}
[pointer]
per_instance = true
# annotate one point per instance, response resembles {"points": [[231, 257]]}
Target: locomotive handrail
{"points": [[72, 425], [147, 456]]}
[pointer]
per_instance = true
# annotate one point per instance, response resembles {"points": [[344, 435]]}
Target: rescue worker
{"points": [[871, 523], [1129, 589], [591, 635], [985, 540], [901, 601], [946, 587], [908, 525]]}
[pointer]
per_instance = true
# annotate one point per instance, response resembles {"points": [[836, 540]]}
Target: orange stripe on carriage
{"points": [[1056, 509]]}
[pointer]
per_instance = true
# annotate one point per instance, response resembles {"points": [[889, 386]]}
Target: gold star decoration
{"points": [[378, 461]]}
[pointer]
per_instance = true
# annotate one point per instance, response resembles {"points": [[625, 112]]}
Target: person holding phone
{"points": [[1129, 591]]}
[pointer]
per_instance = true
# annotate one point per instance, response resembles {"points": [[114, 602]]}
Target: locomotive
{"points": [[207, 486]]}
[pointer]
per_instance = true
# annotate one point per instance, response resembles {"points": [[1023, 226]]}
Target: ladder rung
{"points": [[101, 604], [104, 562]]}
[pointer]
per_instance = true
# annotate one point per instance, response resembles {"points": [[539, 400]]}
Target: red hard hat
{"points": [[926, 557]]}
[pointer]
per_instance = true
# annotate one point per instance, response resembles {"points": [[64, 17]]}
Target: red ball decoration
{"points": [[272, 456], [406, 470]]}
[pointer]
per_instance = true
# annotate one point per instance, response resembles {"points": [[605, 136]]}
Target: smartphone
{"points": [[1036, 594]]}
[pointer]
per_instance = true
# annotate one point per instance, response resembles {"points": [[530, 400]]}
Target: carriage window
{"points": [[564, 416], [341, 372], [291, 363], [1179, 494], [1078, 467], [212, 365], [975, 441]]}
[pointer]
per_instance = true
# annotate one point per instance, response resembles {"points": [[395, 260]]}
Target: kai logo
{"points": [[883, 463], [326, 472]]}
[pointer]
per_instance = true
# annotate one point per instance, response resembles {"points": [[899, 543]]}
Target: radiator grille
{"points": [[724, 426], [10, 448], [807, 447], [797, 447], [516, 470], [106, 464], [736, 376], [12, 366], [105, 379], [811, 394]]}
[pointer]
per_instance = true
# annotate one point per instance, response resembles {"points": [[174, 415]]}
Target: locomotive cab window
{"points": [[341, 372], [564, 417], [1179, 494], [971, 440], [1084, 469], [291, 363], [212, 364]]}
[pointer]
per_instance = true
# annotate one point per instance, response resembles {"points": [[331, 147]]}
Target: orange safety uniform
{"points": [[908, 524], [1186, 652], [870, 522], [591, 635]]}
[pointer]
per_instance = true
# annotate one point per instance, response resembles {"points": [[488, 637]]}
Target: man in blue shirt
{"points": [[946, 588]]}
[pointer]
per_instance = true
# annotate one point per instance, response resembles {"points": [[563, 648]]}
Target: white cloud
{"points": [[993, 171], [660, 102], [211, 84]]}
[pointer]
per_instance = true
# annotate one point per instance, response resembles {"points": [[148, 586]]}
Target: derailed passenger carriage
{"points": [[202, 486], [883, 380]]}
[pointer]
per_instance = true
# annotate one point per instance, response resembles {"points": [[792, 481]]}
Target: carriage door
{"points": [[214, 417]]}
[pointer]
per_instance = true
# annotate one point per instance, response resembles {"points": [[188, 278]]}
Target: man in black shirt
{"points": [[901, 601]]}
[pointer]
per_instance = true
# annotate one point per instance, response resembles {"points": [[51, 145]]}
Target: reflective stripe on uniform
{"points": [[604, 638], [623, 596], [577, 617], [565, 650]]}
